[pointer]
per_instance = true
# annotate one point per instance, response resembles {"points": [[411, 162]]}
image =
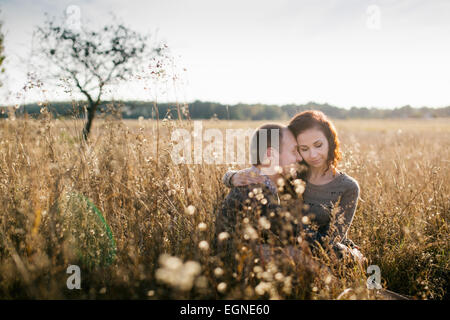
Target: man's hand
{"points": [[245, 178]]}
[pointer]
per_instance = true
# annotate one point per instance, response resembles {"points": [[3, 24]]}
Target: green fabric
{"points": [[87, 229]]}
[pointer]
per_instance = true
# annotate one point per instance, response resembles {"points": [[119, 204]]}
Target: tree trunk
{"points": [[91, 114]]}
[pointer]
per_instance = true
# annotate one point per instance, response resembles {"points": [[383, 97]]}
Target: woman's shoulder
{"points": [[348, 182]]}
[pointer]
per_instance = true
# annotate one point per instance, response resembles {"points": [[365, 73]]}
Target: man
{"points": [[249, 208]]}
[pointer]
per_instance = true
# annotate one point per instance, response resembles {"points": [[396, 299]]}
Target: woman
{"points": [[331, 196]]}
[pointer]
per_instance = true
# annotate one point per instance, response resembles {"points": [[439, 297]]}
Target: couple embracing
{"points": [[293, 193]]}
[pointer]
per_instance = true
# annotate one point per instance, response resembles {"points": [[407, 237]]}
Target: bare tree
{"points": [[91, 59]]}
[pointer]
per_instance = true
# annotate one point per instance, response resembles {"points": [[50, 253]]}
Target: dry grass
{"points": [[402, 221]]}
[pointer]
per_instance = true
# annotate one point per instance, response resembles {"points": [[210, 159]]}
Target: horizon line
{"points": [[228, 104]]}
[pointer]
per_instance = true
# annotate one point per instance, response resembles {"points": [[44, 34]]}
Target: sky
{"points": [[363, 53]]}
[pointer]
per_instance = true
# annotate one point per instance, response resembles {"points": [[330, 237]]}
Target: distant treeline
{"points": [[211, 110]]}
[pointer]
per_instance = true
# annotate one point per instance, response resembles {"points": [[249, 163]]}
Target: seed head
{"points": [[203, 245], [190, 210]]}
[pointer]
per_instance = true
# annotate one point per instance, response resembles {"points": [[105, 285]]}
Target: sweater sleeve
{"points": [[344, 216], [226, 180]]}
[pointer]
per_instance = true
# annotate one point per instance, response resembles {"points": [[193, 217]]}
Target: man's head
{"points": [[273, 145]]}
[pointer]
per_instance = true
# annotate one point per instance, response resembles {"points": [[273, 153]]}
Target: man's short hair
{"points": [[262, 140]]}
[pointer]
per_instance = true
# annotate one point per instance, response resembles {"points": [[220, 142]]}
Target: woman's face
{"points": [[313, 147]]}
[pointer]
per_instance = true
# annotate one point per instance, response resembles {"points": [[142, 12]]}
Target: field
{"points": [[161, 215]]}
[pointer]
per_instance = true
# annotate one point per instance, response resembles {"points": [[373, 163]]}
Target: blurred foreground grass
{"points": [[162, 215]]}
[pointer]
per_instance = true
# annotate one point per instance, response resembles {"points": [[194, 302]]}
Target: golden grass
{"points": [[401, 224]]}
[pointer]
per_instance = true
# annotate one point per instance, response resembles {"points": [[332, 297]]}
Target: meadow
{"points": [[161, 215]]}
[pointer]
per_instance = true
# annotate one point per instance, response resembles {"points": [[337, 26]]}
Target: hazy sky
{"points": [[342, 52]]}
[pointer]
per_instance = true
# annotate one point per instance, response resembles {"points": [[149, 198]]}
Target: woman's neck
{"points": [[316, 172], [319, 174]]}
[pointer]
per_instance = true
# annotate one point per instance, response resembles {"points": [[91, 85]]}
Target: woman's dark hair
{"points": [[316, 119]]}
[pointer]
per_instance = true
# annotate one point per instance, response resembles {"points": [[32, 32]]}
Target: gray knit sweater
{"points": [[338, 197]]}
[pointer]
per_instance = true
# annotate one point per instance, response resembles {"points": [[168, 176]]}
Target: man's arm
{"points": [[227, 178], [243, 177]]}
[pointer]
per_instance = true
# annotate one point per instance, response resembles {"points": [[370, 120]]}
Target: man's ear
{"points": [[269, 155]]}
